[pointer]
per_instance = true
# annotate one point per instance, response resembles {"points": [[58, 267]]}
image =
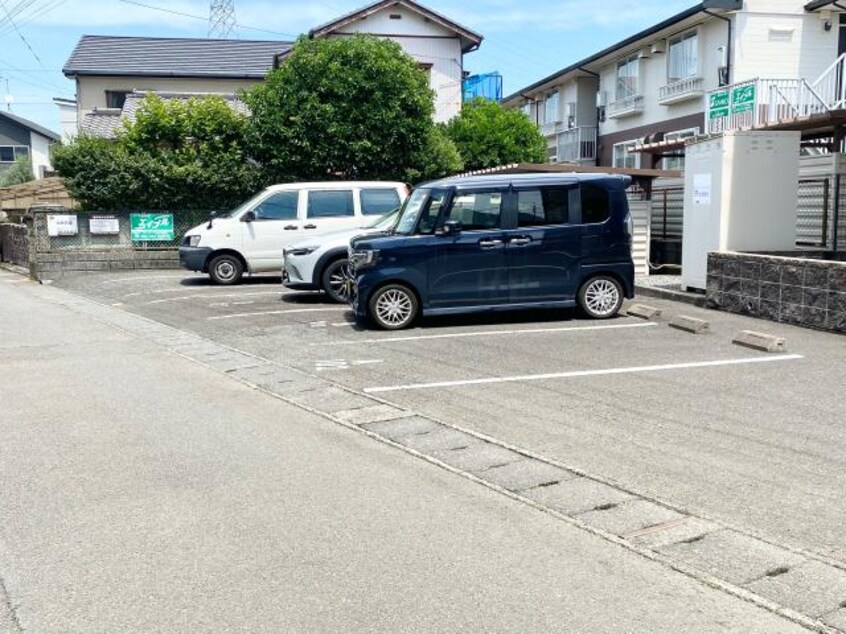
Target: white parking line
{"points": [[211, 295], [484, 333], [140, 279], [278, 312], [582, 373]]}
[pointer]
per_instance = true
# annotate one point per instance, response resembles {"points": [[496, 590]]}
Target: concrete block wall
{"points": [[61, 263], [795, 290]]}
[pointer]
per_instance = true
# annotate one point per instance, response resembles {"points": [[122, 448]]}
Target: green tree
{"points": [[177, 154], [437, 158], [488, 135], [19, 172], [342, 108]]}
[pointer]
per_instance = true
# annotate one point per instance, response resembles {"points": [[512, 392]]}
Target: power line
{"points": [[204, 19], [23, 39]]}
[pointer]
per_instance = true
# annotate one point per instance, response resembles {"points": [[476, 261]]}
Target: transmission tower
{"points": [[221, 18]]}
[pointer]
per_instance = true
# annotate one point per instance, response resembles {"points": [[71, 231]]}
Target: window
{"points": [[677, 162], [330, 204], [279, 206], [595, 204], [551, 112], [543, 206], [433, 209], [627, 71], [8, 153], [526, 109], [683, 58], [476, 211], [376, 202], [115, 98], [624, 157]]}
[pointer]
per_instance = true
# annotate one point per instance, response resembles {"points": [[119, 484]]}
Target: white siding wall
{"points": [[91, 91], [426, 42], [653, 75], [809, 51], [640, 211], [39, 153]]}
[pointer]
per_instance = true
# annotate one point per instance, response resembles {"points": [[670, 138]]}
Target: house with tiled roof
{"points": [[109, 71], [21, 137]]}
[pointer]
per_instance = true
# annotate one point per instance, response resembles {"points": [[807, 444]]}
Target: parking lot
{"points": [[749, 439]]}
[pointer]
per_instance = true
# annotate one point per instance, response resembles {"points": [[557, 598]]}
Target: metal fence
{"points": [[94, 230], [821, 213], [667, 213]]}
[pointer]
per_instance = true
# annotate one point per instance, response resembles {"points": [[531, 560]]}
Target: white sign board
{"points": [[62, 225], [103, 225], [702, 189]]}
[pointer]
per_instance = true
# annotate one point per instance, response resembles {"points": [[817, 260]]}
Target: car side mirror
{"points": [[250, 216], [450, 228]]}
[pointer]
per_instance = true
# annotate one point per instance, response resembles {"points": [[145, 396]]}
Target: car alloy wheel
{"points": [[336, 281], [601, 297], [393, 307]]}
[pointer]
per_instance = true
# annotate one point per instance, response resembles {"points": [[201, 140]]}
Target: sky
{"points": [[524, 40]]}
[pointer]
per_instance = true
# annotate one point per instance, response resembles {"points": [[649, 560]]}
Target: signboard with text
{"points": [[742, 99], [103, 225], [62, 225], [718, 104], [151, 227]]}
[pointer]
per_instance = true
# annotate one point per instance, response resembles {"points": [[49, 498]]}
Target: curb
{"points": [[663, 293]]}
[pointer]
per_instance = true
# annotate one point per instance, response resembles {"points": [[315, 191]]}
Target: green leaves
{"points": [[341, 108], [19, 172], [488, 135]]}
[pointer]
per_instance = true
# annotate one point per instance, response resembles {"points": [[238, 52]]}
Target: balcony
{"points": [[625, 107], [548, 129], [577, 145], [683, 90]]}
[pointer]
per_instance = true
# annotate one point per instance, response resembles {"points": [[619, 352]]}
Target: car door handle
{"points": [[487, 244], [290, 227], [520, 241], [310, 227]]}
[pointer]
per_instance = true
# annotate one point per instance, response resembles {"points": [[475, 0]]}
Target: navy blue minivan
{"points": [[499, 242]]}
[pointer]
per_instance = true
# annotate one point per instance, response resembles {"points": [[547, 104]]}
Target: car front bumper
{"points": [[194, 258]]}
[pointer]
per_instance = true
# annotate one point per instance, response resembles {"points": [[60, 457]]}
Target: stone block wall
{"points": [[794, 290], [59, 264]]}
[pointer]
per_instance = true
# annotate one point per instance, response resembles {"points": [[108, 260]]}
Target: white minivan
{"points": [[252, 237]]}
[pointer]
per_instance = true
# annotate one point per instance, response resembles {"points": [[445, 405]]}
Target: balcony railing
{"points": [[625, 107], [682, 90], [759, 102], [548, 129], [577, 145]]}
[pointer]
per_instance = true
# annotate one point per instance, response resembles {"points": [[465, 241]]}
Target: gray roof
{"points": [[34, 127], [471, 39], [107, 122], [172, 57]]}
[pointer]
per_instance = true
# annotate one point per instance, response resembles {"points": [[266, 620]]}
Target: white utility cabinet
{"points": [[740, 194]]}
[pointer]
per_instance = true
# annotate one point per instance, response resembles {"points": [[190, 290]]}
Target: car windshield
{"points": [[410, 211], [386, 222], [242, 207]]}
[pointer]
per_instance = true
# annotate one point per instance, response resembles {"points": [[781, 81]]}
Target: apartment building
{"points": [[720, 64]]}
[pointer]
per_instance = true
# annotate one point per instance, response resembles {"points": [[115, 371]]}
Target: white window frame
{"points": [[627, 156], [16, 152], [677, 162], [620, 94], [526, 109], [691, 53], [552, 114]]}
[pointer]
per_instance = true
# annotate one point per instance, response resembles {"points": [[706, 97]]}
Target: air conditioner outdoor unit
{"points": [[658, 47]]}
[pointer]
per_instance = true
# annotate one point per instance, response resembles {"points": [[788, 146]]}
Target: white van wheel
{"points": [[226, 269], [601, 297]]}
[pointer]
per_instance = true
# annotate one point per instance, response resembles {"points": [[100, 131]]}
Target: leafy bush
{"points": [[19, 172], [488, 135]]}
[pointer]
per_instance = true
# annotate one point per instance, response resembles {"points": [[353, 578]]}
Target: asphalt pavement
{"points": [[152, 483]]}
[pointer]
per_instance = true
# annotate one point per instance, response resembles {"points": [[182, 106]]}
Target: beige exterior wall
{"points": [[39, 154], [428, 43], [91, 91]]}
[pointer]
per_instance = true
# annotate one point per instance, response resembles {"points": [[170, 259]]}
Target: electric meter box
{"points": [[740, 194]]}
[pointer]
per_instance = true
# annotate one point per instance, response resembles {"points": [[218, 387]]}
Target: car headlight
{"points": [[364, 258], [192, 241], [300, 251]]}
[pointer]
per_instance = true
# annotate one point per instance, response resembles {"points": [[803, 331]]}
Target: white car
{"points": [[319, 264], [251, 238]]}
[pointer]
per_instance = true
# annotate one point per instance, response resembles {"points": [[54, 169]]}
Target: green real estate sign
{"points": [[718, 104], [151, 227], [742, 99]]}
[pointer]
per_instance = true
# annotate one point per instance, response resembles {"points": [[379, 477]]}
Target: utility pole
{"points": [[221, 18]]}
